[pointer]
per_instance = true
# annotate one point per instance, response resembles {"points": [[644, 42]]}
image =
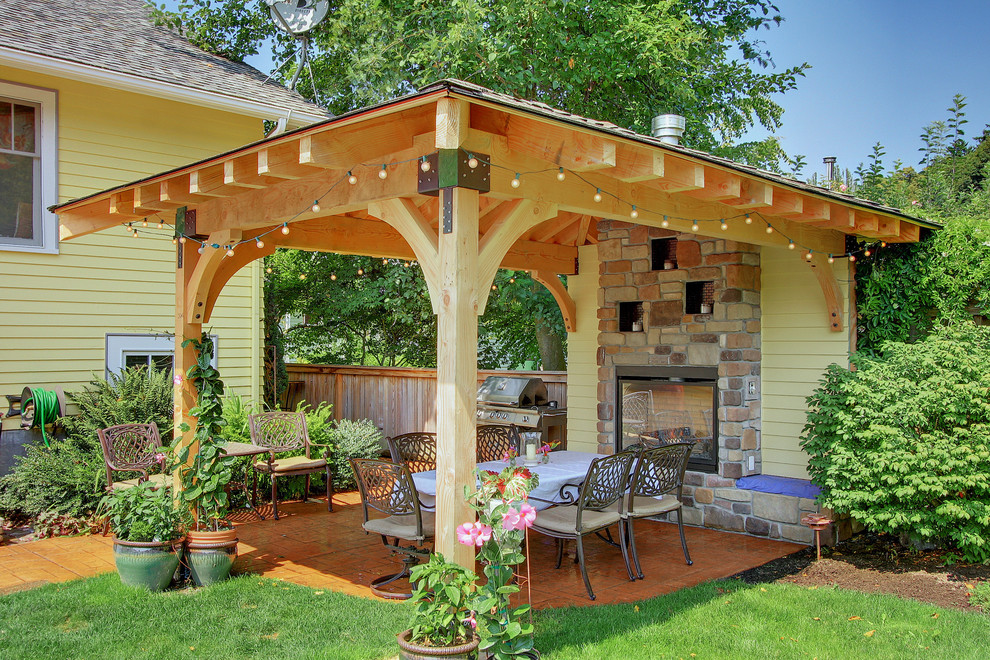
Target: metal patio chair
{"points": [[599, 505], [659, 473], [282, 431], [637, 412], [494, 441], [388, 488], [132, 448], [417, 451]]}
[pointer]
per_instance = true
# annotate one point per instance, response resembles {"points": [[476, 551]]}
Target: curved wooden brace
{"points": [[512, 221], [402, 214], [243, 255], [830, 288], [201, 280], [553, 284]]}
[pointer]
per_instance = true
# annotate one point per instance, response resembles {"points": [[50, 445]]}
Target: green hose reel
{"points": [[40, 408]]}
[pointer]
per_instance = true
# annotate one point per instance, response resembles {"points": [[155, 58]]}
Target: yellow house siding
{"points": [[582, 348], [797, 347], [58, 308]]}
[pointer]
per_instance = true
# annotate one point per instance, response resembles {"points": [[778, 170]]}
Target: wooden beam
{"points": [[201, 281], [209, 181], [229, 266], [839, 217], [122, 205], [150, 197], [281, 161], [84, 220], [564, 300], [242, 172], [909, 234], [186, 327], [719, 185], [805, 209], [679, 175], [583, 228], [753, 195], [634, 164], [830, 289]]}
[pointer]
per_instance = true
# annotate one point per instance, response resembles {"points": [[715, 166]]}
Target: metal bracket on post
{"points": [[180, 230], [452, 167], [447, 200]]}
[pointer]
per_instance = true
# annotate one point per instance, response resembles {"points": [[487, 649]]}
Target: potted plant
{"points": [[212, 540], [443, 625], [147, 524], [503, 518]]}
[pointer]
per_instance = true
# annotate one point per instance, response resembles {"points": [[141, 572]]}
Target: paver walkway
{"points": [[312, 547]]}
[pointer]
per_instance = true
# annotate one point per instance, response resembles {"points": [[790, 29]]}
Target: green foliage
{"points": [[441, 591], [979, 596], [69, 479], [236, 427], [144, 513], [903, 442], [204, 480], [350, 439]]}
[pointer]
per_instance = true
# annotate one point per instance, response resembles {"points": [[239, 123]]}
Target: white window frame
{"points": [[48, 116], [120, 345]]}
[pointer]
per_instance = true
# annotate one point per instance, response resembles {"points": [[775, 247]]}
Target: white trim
{"points": [[131, 83], [119, 345], [48, 99]]}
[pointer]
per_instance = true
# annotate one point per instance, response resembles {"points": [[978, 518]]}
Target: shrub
{"points": [[360, 439], [69, 479], [903, 442], [235, 416]]}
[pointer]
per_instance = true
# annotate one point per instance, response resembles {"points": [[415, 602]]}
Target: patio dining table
{"points": [[566, 468]]}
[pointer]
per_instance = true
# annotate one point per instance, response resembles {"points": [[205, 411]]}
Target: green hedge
{"points": [[902, 442]]}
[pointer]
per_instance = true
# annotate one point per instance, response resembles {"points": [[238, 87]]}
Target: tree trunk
{"points": [[551, 348]]}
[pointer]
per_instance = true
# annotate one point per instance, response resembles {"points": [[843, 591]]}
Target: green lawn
{"points": [[252, 617]]}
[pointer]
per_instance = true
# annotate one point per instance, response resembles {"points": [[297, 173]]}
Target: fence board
{"points": [[397, 399]]}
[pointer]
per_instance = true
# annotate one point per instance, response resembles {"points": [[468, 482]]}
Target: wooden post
{"points": [[457, 373], [187, 258]]}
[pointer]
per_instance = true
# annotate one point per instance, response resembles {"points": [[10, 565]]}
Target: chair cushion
{"points": [[403, 527], [649, 506], [563, 519], [292, 464], [159, 480]]}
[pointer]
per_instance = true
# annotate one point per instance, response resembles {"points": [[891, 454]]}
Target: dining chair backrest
{"points": [[637, 410], [660, 470], [418, 451], [494, 441], [130, 447], [606, 481], [279, 430], [386, 487]]}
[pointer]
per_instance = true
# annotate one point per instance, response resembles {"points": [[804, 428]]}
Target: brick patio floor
{"points": [[311, 547]]}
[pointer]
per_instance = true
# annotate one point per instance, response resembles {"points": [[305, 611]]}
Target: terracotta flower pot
{"points": [[412, 651], [150, 565], [210, 555]]}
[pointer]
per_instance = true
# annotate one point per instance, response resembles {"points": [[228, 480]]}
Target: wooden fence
{"points": [[397, 399]]}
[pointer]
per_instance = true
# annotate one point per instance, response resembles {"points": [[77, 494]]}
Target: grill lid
{"points": [[513, 391]]}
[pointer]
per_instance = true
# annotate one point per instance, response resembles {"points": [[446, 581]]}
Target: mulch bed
{"points": [[878, 563]]}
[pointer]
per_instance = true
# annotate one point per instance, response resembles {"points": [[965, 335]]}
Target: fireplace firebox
{"points": [[662, 404]]}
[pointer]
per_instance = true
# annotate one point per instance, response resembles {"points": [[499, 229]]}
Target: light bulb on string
{"points": [[769, 229], [665, 222], [128, 227], [867, 253], [494, 288], [383, 173], [406, 264], [749, 220], [135, 234], [424, 164], [472, 162], [360, 271], [351, 179], [598, 194], [515, 182], [384, 262], [316, 206], [724, 225], [260, 244], [161, 225], [831, 259], [790, 245], [182, 239], [201, 249], [302, 276], [285, 228], [174, 240], [634, 213], [333, 277], [144, 223], [883, 243], [268, 270], [230, 250], [512, 280], [852, 258], [694, 226], [560, 175], [808, 256]]}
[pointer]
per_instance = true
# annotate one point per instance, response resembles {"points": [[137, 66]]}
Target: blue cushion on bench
{"points": [[766, 483]]}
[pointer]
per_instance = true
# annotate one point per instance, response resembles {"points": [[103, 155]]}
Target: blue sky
{"points": [[882, 70]]}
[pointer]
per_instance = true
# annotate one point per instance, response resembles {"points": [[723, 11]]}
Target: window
{"points": [[28, 169], [143, 350]]}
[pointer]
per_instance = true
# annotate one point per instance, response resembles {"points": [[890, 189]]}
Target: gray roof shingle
{"points": [[120, 37]]}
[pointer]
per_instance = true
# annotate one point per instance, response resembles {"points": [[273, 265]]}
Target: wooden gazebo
{"points": [[464, 181]]}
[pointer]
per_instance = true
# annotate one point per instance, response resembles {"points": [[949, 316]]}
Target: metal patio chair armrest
{"points": [[328, 449], [142, 478]]}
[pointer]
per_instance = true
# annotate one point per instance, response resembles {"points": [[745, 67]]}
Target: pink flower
{"points": [[160, 458], [519, 519], [914, 202], [177, 379], [545, 449], [473, 533], [471, 621], [843, 187]]}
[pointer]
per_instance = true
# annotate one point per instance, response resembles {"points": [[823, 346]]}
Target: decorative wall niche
{"points": [[699, 297], [663, 253], [631, 316]]}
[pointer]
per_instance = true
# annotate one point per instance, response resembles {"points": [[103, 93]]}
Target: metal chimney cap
{"points": [[829, 159], [669, 129]]}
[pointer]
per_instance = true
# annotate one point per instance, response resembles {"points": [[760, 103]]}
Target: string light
{"points": [[425, 165], [769, 228], [598, 194], [384, 262], [201, 249], [135, 234], [129, 227], [867, 253], [260, 244], [749, 220], [268, 270], [852, 257], [494, 288], [790, 245], [515, 182], [302, 276], [174, 240], [472, 162], [808, 256], [883, 243], [724, 225], [316, 206], [512, 280], [351, 179], [215, 246], [406, 264], [285, 228], [634, 213], [182, 239], [383, 173], [665, 222], [333, 277], [560, 175], [161, 225], [360, 271], [831, 259], [144, 223], [694, 225], [230, 250]]}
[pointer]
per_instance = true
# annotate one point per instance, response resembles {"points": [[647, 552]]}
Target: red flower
{"points": [[525, 473]]}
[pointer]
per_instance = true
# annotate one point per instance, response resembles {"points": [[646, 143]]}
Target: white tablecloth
{"points": [[565, 467]]}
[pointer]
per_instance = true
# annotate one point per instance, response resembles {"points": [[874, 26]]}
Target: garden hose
{"points": [[46, 408]]}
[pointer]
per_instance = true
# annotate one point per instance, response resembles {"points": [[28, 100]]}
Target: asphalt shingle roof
{"points": [[119, 36]]}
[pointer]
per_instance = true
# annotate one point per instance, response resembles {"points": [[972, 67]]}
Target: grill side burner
{"points": [[504, 400]]}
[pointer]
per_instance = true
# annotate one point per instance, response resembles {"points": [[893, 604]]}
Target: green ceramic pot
{"points": [[412, 651], [210, 555], [148, 565]]}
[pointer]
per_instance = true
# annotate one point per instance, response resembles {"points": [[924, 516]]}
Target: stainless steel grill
{"points": [[522, 401]]}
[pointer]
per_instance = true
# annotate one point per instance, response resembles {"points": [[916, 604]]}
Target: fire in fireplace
{"points": [[670, 404]]}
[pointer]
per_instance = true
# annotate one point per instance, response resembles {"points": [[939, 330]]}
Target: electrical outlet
{"points": [[752, 388], [752, 462]]}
